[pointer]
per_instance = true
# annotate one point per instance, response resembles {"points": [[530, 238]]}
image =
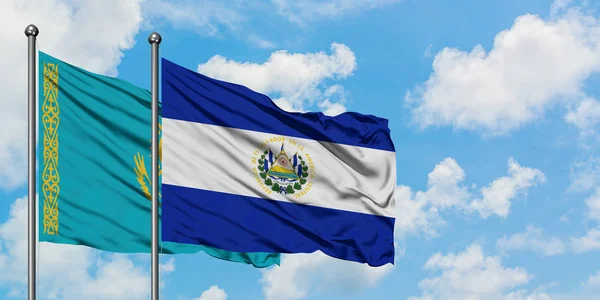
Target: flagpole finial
{"points": [[31, 30], [154, 38]]}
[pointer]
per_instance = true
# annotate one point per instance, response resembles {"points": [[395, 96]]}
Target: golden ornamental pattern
{"points": [[50, 121]]}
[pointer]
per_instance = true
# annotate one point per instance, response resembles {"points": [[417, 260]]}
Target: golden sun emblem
{"points": [[141, 172]]}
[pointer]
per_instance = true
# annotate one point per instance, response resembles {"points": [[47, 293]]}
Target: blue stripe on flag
{"points": [[197, 98], [241, 223]]}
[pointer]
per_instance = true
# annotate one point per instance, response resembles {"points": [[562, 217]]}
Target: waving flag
{"points": [[94, 162], [240, 174]]}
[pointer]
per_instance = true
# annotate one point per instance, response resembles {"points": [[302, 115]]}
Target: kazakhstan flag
{"points": [[94, 165]]}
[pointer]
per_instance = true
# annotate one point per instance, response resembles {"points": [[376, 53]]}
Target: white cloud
{"points": [[292, 79], [212, 18], [428, 51], [303, 274], [532, 66], [585, 174], [497, 196], [117, 278], [286, 105], [525, 295], [593, 206], [593, 282], [585, 116], [260, 42], [589, 242], [443, 184], [202, 16], [420, 212], [559, 6], [301, 11], [335, 99], [534, 240], [472, 275], [331, 109], [70, 30], [213, 293], [167, 267], [415, 214], [67, 271]]}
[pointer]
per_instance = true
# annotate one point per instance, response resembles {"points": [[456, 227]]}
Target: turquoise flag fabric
{"points": [[94, 165]]}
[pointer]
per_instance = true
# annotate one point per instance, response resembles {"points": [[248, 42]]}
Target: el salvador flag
{"points": [[240, 174]]}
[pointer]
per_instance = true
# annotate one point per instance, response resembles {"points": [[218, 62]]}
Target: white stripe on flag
{"points": [[221, 159]]}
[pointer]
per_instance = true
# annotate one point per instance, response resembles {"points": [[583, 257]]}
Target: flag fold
{"points": [[94, 165], [243, 175]]}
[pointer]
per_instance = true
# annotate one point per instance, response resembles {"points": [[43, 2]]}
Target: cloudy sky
{"points": [[493, 107]]}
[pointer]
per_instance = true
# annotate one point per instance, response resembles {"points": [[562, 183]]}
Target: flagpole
{"points": [[154, 39], [31, 32]]}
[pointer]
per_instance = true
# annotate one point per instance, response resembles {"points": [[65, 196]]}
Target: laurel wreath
{"points": [[290, 189], [142, 174]]}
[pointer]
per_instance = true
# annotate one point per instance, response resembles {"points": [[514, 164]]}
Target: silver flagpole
{"points": [[154, 39], [31, 32]]}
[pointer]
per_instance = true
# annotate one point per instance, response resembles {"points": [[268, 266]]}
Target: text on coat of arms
{"points": [[281, 173]]}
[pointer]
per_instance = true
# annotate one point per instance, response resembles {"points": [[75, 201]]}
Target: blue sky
{"points": [[493, 111]]}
